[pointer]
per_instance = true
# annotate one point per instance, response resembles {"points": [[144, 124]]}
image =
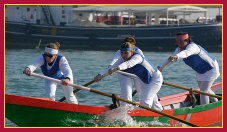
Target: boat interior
{"points": [[190, 101]]}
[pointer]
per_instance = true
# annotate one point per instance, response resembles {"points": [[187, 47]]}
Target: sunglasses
{"points": [[181, 41], [125, 52], [48, 55]]}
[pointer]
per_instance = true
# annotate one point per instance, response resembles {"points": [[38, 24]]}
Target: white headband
{"points": [[51, 51]]}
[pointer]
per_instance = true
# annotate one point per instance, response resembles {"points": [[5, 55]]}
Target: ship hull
{"points": [[152, 38]]}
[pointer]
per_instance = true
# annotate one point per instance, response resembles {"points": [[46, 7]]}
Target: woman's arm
{"points": [[65, 68], [116, 57], [36, 63], [39, 61], [139, 51], [191, 49], [136, 59]]}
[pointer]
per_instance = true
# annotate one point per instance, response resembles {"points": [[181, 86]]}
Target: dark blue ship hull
{"points": [[152, 38]]}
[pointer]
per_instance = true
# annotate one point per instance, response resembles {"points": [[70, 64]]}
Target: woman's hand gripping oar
{"points": [[109, 95], [85, 85]]}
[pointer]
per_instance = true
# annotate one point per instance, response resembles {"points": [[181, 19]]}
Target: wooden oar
{"points": [[193, 90], [164, 65], [85, 85], [174, 85], [77, 90], [109, 95]]}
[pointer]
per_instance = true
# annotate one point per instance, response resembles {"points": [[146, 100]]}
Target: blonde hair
{"points": [[131, 40], [55, 45], [128, 45]]}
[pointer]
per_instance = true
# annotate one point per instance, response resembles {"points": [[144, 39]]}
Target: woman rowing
{"points": [[126, 82], [205, 65], [56, 66], [149, 79]]}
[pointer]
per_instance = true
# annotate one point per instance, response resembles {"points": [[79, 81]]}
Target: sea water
{"points": [[85, 65]]}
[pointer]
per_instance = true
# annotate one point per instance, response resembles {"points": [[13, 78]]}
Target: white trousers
{"points": [[147, 92], [67, 90], [126, 84], [205, 86]]}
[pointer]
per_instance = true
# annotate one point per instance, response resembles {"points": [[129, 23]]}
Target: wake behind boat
{"points": [[41, 112]]}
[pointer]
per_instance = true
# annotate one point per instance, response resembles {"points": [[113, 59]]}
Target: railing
{"points": [[48, 15]]}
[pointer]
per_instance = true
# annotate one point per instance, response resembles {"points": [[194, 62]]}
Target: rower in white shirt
{"points": [[204, 65], [126, 83], [56, 66], [149, 78]]}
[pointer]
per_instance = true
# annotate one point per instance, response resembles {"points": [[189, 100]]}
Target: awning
{"points": [[149, 8]]}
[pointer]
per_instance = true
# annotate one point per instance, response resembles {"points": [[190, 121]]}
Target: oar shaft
{"points": [[58, 81], [45, 77], [165, 64], [89, 83], [77, 90], [85, 85], [194, 90], [127, 74]]}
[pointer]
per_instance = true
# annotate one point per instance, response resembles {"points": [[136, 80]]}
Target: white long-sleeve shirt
{"points": [[117, 56], [63, 65], [117, 59], [136, 59], [193, 49]]}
